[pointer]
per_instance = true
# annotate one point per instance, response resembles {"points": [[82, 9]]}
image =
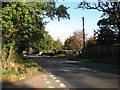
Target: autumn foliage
{"points": [[75, 41]]}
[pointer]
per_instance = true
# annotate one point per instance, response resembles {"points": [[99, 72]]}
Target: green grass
{"points": [[29, 63], [59, 55], [46, 56], [84, 60], [8, 73], [107, 60]]}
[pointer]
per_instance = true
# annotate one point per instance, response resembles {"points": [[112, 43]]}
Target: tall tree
{"points": [[58, 45], [105, 36], [75, 42], [90, 42], [45, 44], [22, 24], [110, 9]]}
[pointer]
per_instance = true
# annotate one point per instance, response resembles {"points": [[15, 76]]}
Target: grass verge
{"points": [[13, 71], [58, 55], [105, 60]]}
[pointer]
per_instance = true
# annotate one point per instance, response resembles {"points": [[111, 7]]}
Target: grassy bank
{"points": [[105, 60], [13, 71], [58, 55]]}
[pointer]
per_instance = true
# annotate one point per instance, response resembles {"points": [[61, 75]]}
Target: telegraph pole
{"points": [[83, 36]]}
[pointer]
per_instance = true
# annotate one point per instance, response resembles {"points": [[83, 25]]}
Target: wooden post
{"points": [[83, 36]]}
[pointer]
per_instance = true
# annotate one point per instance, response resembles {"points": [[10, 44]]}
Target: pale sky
{"points": [[64, 28]]}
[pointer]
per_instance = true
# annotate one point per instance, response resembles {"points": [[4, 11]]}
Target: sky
{"points": [[64, 28]]}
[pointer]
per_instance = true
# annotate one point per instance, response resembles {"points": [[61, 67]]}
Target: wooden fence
{"points": [[104, 51]]}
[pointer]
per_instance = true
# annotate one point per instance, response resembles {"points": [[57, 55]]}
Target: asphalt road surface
{"points": [[76, 74]]}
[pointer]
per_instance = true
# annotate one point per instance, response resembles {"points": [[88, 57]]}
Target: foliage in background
{"points": [[90, 42], [46, 45], [74, 42], [57, 45]]}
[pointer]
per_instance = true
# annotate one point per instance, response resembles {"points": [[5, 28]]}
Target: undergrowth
{"points": [[13, 71]]}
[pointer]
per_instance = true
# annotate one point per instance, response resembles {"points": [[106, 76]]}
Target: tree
{"points": [[110, 9], [22, 24], [105, 36], [74, 42], [90, 42], [67, 44], [109, 27], [45, 44], [58, 45]]}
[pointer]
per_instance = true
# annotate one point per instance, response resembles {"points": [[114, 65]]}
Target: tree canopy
{"points": [[22, 23], [110, 18], [74, 42], [57, 45]]}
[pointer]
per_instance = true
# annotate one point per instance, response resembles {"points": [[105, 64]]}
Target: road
{"points": [[76, 74]]}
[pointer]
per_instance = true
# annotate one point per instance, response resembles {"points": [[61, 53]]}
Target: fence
{"points": [[104, 51]]}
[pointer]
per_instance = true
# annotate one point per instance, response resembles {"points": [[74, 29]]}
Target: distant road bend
{"points": [[77, 74]]}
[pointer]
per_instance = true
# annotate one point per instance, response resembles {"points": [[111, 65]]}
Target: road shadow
{"points": [[9, 85], [90, 67], [102, 68], [63, 68], [12, 86]]}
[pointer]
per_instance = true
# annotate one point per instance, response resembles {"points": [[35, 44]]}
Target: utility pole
{"points": [[83, 36]]}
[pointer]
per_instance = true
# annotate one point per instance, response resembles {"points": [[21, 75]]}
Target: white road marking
{"points": [[51, 75], [62, 85], [58, 81], [47, 82], [51, 86], [54, 77]]}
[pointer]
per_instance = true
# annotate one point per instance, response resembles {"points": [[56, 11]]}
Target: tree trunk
{"points": [[10, 53]]}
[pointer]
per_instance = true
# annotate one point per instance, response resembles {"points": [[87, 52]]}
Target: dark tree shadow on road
{"points": [[103, 68], [65, 69], [9, 85]]}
